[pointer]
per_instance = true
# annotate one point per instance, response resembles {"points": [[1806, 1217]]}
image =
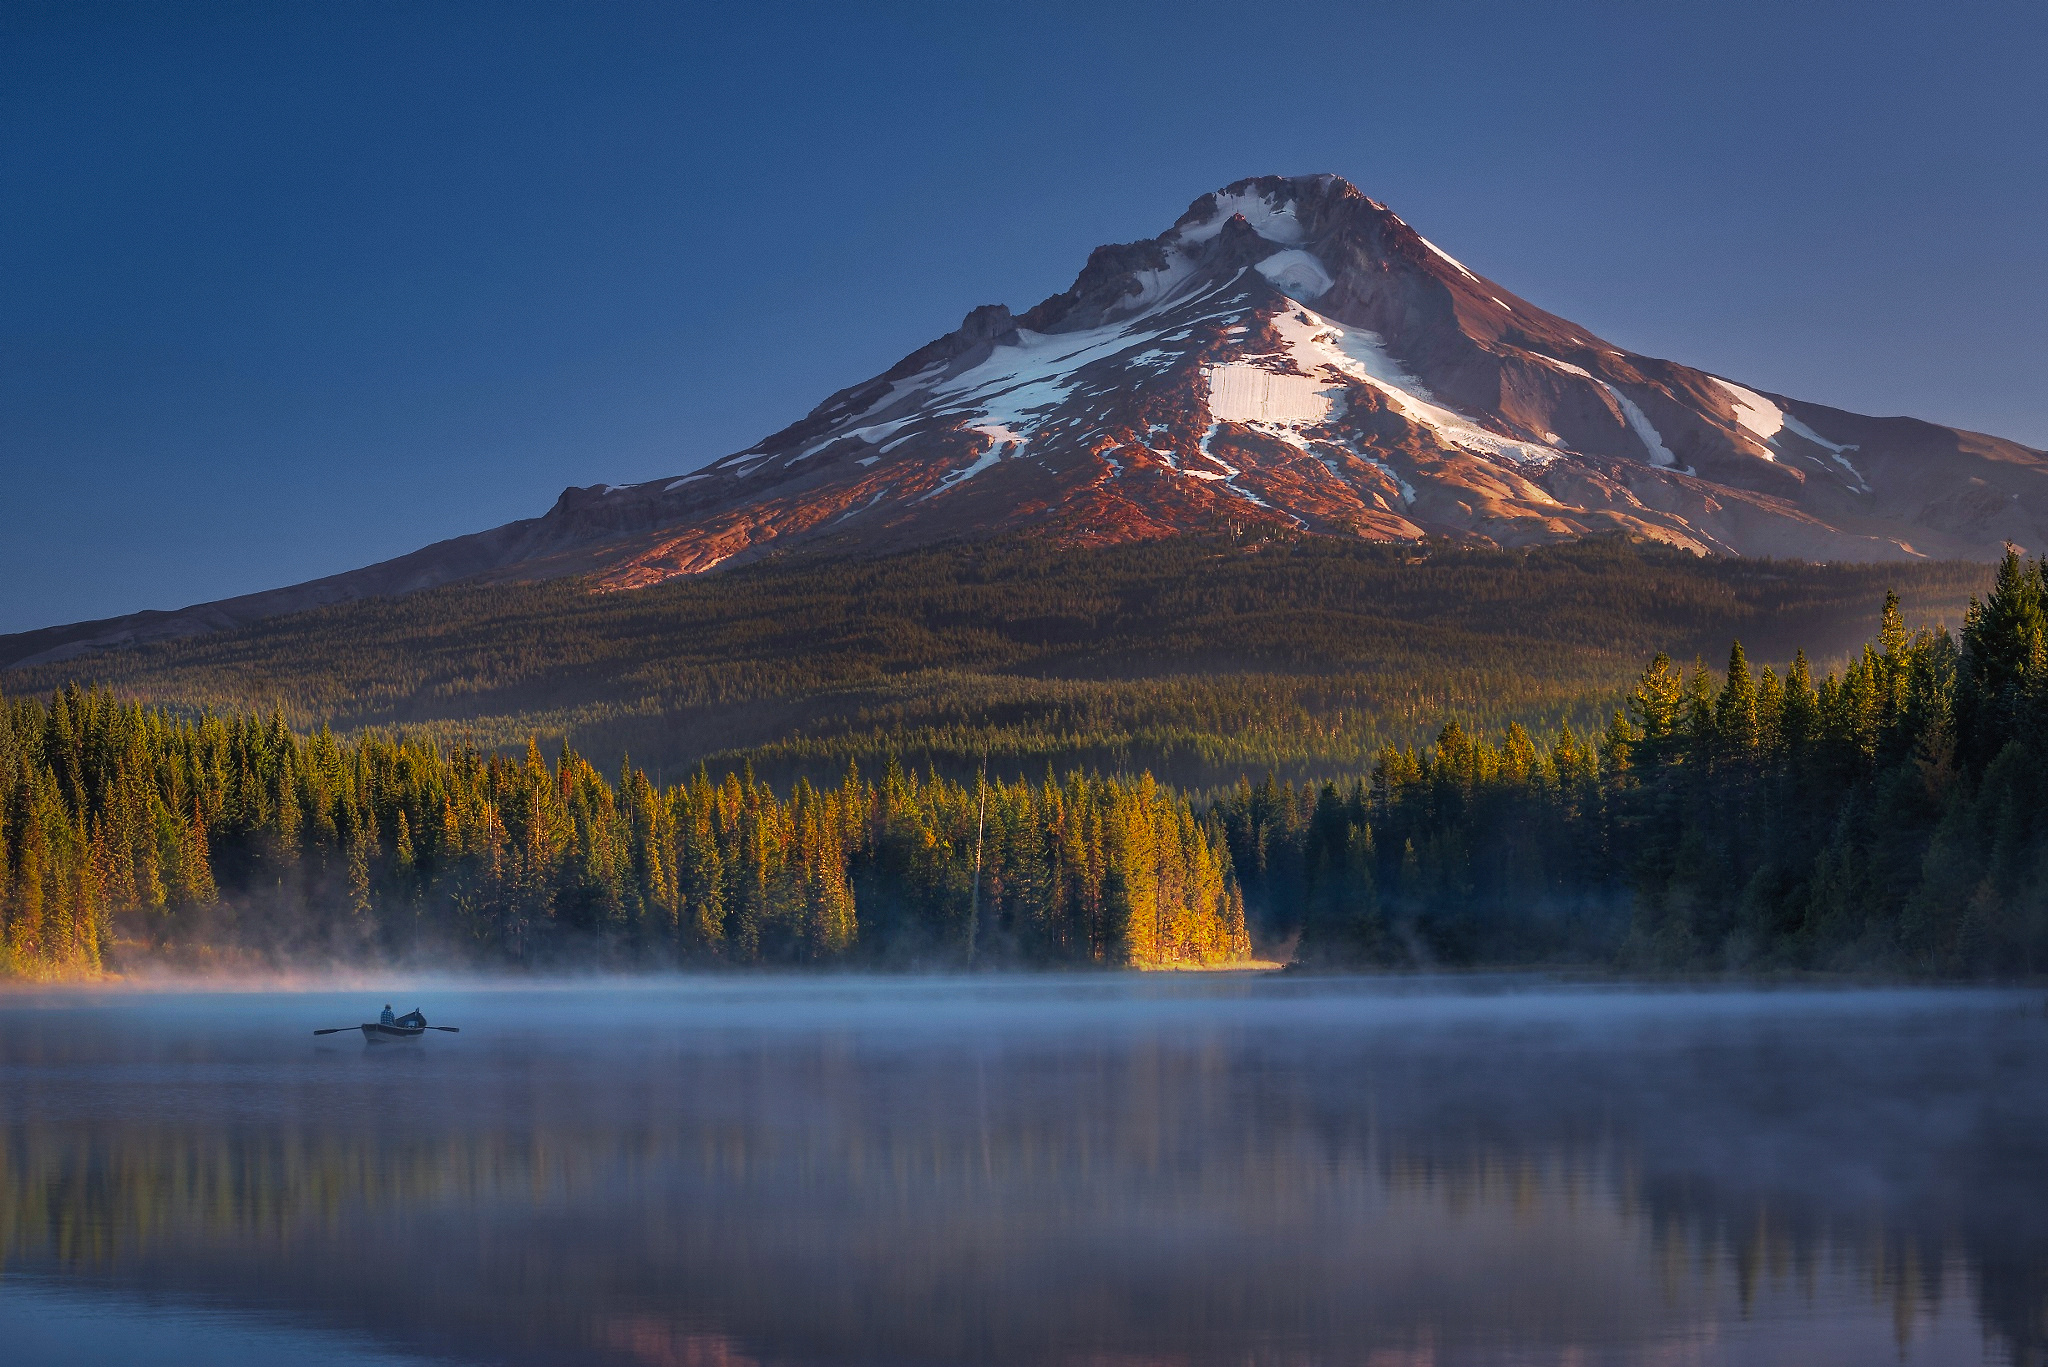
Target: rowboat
{"points": [[411, 1025]]}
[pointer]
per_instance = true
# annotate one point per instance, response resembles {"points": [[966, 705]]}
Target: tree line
{"points": [[1888, 815], [1891, 816], [1197, 658], [184, 836]]}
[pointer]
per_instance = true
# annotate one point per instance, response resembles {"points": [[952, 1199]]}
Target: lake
{"points": [[1107, 1170]]}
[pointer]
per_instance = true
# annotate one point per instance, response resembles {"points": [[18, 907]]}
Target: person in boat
{"points": [[413, 1020], [385, 1019]]}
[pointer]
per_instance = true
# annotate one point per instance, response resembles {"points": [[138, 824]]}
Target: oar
{"points": [[343, 1029]]}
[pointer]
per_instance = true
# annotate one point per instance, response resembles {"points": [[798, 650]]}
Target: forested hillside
{"points": [[1894, 816], [1889, 815], [1198, 659], [238, 835]]}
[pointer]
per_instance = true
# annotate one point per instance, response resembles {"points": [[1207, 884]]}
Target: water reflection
{"points": [[1109, 1171]]}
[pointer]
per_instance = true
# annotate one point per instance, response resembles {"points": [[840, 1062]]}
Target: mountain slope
{"points": [[1197, 658], [1292, 355]]}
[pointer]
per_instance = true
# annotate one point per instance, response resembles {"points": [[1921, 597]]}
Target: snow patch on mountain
{"points": [[1296, 273], [1638, 421], [1645, 430], [1026, 386], [1017, 385], [1228, 477], [880, 494], [1001, 439], [999, 434], [1766, 421], [1407, 489], [871, 435], [1566, 366], [1315, 344], [1246, 393], [1758, 416], [1448, 257], [897, 389], [1157, 286], [1275, 223], [1836, 451]]}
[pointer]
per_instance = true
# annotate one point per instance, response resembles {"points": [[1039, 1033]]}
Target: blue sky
{"points": [[286, 289]]}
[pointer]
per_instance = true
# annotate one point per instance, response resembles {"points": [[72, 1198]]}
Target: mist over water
{"points": [[1126, 1169]]}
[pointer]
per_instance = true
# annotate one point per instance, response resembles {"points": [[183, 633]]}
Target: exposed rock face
{"points": [[1289, 354]]}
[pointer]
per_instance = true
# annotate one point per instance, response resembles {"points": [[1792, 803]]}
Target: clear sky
{"points": [[286, 289]]}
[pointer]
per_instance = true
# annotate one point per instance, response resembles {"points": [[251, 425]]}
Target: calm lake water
{"points": [[1098, 1170]]}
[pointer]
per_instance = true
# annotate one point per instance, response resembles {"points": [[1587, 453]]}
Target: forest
{"points": [[1889, 817], [130, 833], [1195, 658], [1883, 815]]}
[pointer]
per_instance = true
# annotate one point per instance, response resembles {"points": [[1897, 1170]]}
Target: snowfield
{"points": [[1245, 393], [1316, 345], [1296, 273], [1275, 223], [1758, 416]]}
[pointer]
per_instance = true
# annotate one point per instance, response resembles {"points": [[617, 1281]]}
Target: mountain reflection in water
{"points": [[1053, 1170]]}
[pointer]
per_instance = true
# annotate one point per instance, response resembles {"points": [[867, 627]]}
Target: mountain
{"points": [[1289, 355]]}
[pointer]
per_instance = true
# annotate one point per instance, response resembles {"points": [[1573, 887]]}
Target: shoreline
{"points": [[376, 978]]}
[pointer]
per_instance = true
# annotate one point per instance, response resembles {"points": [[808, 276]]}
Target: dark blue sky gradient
{"points": [[289, 289]]}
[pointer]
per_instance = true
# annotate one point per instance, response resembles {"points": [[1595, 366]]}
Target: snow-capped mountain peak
{"points": [[1293, 353], [1288, 354]]}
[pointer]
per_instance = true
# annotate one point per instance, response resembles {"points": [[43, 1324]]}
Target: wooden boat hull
{"points": [[390, 1034]]}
